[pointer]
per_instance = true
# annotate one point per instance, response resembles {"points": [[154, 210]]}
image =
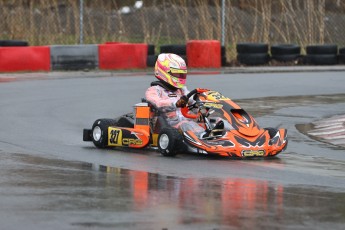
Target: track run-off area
{"points": [[51, 179]]}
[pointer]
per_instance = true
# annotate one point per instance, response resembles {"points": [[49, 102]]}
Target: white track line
{"points": [[328, 124], [339, 119], [333, 137], [330, 127], [326, 133]]}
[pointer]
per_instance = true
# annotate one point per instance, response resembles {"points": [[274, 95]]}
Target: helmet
{"points": [[171, 69]]}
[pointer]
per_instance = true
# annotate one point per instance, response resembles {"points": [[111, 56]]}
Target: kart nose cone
{"points": [[97, 133], [164, 141]]}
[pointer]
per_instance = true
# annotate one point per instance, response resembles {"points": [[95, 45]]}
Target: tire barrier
{"points": [[285, 52], [342, 55], [252, 53], [150, 49], [151, 56], [321, 54], [178, 49], [223, 56], [204, 53], [29, 58], [74, 57], [252, 48], [11, 43], [122, 56], [151, 60], [117, 55]]}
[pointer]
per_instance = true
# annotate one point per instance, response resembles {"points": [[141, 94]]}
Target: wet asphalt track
{"points": [[51, 179]]}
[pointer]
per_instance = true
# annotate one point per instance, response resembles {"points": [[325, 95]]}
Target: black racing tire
{"points": [[13, 43], [175, 49], [99, 132], [165, 48], [223, 61], [150, 49], [285, 49], [170, 142], [321, 59], [151, 60], [179, 49], [271, 131], [253, 58], [222, 51], [286, 57], [342, 51], [251, 48], [341, 58], [322, 49]]}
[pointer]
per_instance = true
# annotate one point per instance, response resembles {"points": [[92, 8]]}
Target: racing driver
{"points": [[168, 93]]}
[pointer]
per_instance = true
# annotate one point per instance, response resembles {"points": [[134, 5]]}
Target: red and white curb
{"points": [[331, 130]]}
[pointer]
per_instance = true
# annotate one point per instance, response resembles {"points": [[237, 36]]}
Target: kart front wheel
{"points": [[99, 132], [169, 142]]}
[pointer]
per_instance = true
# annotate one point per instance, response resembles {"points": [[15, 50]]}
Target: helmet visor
{"points": [[179, 75], [182, 74]]}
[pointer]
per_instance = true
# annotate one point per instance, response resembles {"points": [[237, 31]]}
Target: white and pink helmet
{"points": [[171, 69]]}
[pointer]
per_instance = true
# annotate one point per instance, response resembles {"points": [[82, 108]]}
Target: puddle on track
{"points": [[41, 192]]}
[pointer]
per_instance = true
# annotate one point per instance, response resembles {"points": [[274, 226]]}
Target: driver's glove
{"points": [[182, 102]]}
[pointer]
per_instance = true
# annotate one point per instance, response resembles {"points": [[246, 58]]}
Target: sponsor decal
{"points": [[213, 105], [217, 96], [115, 138], [131, 141], [253, 153], [172, 95]]}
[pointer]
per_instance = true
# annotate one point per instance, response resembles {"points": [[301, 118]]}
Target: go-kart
{"points": [[227, 130]]}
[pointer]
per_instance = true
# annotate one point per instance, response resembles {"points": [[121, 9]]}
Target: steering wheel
{"points": [[186, 109]]}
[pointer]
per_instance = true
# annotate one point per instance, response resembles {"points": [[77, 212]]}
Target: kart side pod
{"points": [[136, 137], [142, 117]]}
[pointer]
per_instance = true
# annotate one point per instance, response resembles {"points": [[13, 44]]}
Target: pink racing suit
{"points": [[165, 100]]}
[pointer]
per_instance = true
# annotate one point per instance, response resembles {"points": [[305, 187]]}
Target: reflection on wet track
{"points": [[153, 201]]}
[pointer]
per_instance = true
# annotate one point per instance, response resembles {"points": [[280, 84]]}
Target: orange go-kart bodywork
{"points": [[244, 138], [240, 136]]}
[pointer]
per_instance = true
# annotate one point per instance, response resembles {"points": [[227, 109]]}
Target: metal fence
{"points": [[302, 22]]}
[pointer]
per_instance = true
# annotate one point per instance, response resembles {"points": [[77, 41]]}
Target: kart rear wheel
{"points": [[99, 132], [170, 142]]}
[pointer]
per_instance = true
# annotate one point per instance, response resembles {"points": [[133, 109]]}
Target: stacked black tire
{"points": [[252, 53], [342, 55], [11, 43], [176, 49], [180, 50], [223, 55], [151, 57], [322, 54], [285, 52]]}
